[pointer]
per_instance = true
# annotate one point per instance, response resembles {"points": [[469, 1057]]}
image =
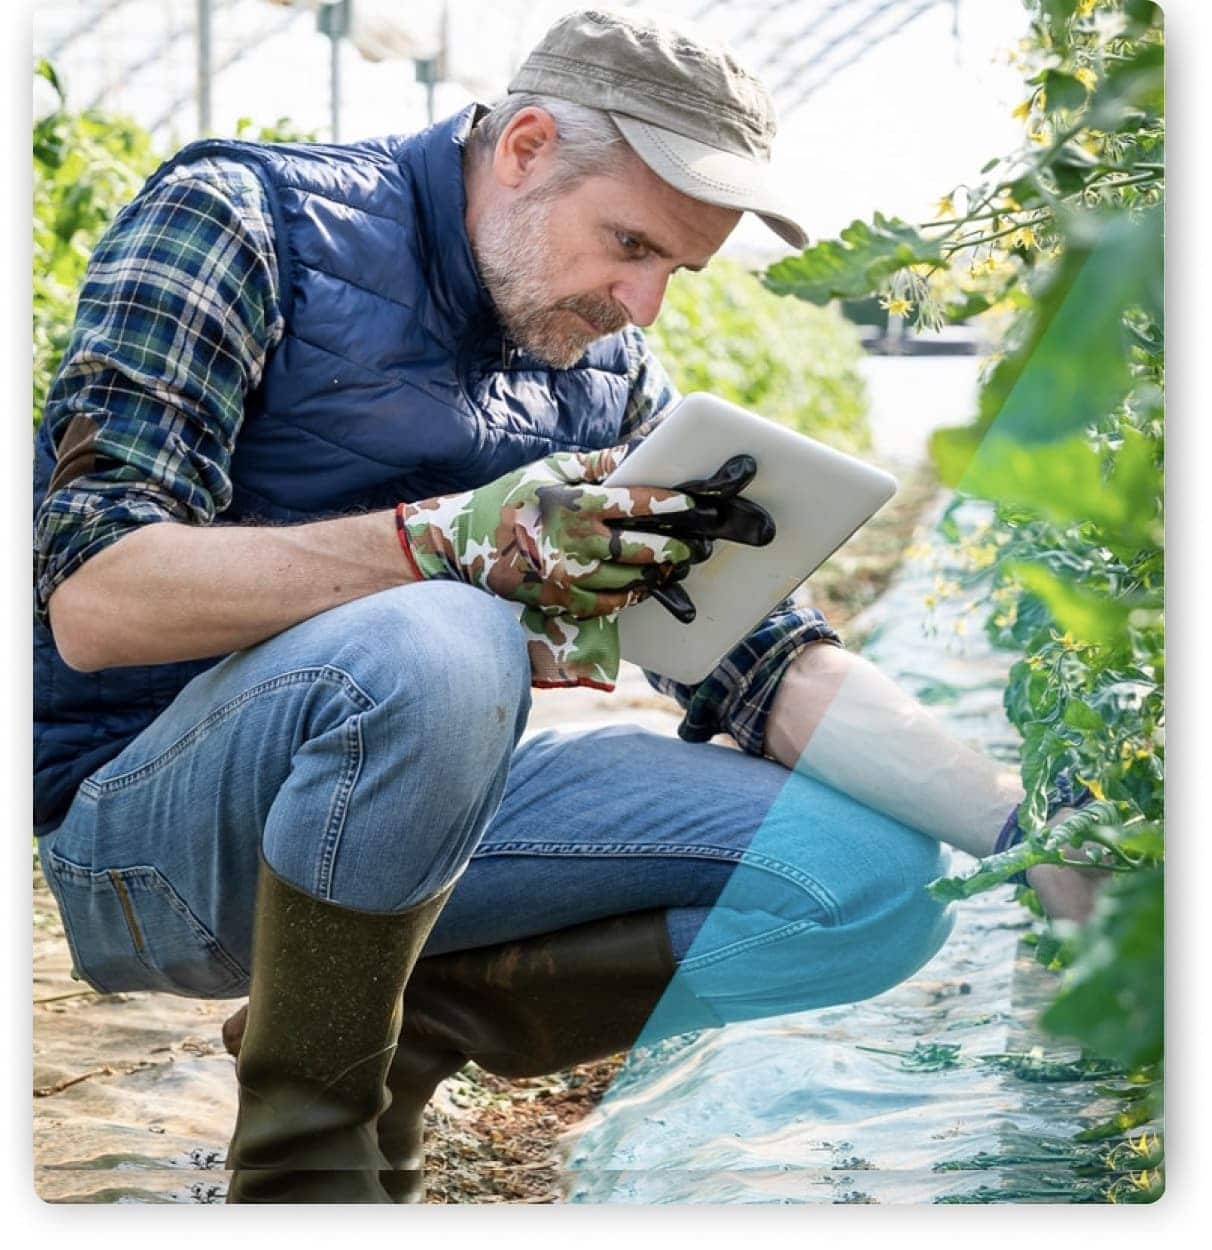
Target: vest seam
{"points": [[357, 286], [328, 442], [378, 374], [332, 199]]}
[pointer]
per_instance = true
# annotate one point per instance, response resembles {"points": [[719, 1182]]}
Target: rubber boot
{"points": [[524, 1008], [321, 1028]]}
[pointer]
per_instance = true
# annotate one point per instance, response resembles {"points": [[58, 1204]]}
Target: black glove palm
{"points": [[718, 513]]}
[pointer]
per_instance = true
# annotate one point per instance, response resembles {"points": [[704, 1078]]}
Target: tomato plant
{"points": [[1061, 241]]}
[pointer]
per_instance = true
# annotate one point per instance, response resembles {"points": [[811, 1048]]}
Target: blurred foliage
{"points": [[282, 131], [1063, 238], [721, 331], [86, 167]]}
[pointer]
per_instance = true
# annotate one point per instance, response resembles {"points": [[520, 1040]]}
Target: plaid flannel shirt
{"points": [[177, 314]]}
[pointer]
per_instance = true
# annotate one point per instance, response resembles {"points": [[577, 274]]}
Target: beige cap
{"points": [[691, 112]]}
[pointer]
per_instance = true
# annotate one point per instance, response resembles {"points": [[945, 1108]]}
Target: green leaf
{"points": [[1072, 167], [1143, 15], [44, 69], [1025, 191], [1062, 91], [1080, 715], [855, 264], [1073, 368], [953, 449], [1059, 11], [971, 304], [1045, 753], [1135, 84], [1111, 998], [1063, 482], [1057, 15], [1089, 617]]}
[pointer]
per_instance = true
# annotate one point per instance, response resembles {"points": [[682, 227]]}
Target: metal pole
{"points": [[333, 20], [204, 126], [335, 85]]}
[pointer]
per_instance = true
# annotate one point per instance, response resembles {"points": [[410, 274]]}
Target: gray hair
{"points": [[589, 143]]}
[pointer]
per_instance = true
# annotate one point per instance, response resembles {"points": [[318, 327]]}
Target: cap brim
{"points": [[712, 175]]}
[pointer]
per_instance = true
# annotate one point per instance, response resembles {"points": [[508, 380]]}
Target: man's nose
{"points": [[642, 296]]}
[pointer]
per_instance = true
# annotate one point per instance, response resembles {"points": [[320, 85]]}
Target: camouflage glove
{"points": [[538, 536]]}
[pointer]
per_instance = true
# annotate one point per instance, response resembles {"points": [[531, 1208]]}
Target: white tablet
{"points": [[817, 496]]}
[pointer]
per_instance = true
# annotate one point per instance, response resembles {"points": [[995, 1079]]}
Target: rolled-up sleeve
{"points": [[176, 314], [736, 697]]}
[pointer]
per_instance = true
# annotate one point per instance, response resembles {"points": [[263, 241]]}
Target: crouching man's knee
{"points": [[446, 667], [403, 742], [799, 927]]}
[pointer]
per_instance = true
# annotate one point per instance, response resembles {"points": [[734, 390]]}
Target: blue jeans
{"points": [[372, 752]]}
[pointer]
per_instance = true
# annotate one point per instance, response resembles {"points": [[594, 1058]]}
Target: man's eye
{"points": [[629, 243]]}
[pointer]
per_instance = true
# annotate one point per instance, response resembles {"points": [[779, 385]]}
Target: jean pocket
{"points": [[128, 929]]}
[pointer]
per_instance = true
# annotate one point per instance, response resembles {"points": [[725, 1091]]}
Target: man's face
{"points": [[567, 269]]}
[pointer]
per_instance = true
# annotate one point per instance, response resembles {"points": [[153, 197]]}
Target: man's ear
{"points": [[526, 151]]}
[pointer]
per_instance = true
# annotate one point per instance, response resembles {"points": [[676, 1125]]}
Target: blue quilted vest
{"points": [[392, 382]]}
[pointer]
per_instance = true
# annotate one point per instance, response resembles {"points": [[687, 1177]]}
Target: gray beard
{"points": [[514, 265]]}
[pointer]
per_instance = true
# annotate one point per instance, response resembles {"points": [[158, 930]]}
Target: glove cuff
{"points": [[406, 545]]}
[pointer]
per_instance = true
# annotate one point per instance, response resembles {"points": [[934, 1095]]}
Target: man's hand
{"points": [[542, 536], [1067, 893], [719, 512]]}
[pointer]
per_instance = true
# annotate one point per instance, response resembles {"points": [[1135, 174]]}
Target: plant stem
{"points": [[982, 239]]}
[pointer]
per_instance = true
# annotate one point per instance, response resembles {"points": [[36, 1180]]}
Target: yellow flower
{"points": [[1067, 641], [1093, 786], [945, 207], [960, 627], [1024, 237], [1038, 136], [1010, 204], [1021, 111], [1085, 7], [1087, 77], [896, 305], [929, 601], [982, 555], [1035, 661]]}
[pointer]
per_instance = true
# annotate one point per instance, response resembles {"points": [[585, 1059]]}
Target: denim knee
{"points": [[445, 660], [396, 778], [813, 921]]}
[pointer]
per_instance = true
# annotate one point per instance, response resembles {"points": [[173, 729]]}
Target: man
{"points": [[328, 418]]}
